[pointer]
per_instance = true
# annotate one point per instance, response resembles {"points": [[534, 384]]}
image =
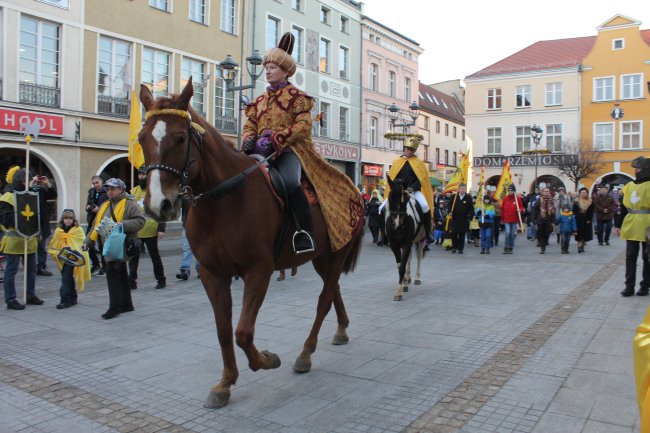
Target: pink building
{"points": [[389, 76]]}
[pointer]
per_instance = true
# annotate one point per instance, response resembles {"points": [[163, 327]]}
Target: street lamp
{"points": [[536, 133], [393, 114]]}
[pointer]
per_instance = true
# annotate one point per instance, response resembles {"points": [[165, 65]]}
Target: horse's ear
{"points": [[186, 95], [146, 97]]}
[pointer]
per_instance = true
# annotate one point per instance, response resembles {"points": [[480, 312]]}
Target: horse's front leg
{"points": [[255, 286], [397, 252], [407, 272], [420, 249], [341, 335], [218, 291]]}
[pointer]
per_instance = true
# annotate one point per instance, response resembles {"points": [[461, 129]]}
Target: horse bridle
{"points": [[197, 131]]}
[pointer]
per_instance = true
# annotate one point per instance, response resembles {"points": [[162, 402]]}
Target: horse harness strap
{"points": [[198, 131]]}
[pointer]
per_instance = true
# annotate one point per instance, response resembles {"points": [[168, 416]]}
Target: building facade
{"points": [[442, 124], [73, 66], [389, 75], [327, 52], [615, 103]]}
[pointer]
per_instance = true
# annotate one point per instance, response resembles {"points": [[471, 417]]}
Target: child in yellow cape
{"points": [[69, 234]]}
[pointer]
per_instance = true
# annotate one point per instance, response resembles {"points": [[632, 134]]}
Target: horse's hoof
{"points": [[273, 360], [217, 400], [340, 339], [408, 281], [417, 282], [302, 365], [405, 289], [397, 298]]}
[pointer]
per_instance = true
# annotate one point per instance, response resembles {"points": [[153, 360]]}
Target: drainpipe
{"points": [[241, 73]]}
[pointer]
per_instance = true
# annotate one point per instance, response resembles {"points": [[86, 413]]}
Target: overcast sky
{"points": [[461, 37]]}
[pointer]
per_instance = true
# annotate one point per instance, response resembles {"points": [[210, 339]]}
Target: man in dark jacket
{"points": [[604, 206], [96, 196], [461, 212], [46, 191]]}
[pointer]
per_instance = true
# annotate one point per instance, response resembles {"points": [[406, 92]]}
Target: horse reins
{"points": [[197, 131]]}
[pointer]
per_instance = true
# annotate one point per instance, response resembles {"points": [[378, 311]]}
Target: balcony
{"points": [[225, 124], [35, 94], [114, 106]]}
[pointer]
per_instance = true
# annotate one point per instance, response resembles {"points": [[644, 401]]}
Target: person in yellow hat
{"points": [[411, 172]]}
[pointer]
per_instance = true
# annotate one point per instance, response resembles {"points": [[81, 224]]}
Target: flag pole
{"points": [[131, 145], [521, 223], [28, 139]]}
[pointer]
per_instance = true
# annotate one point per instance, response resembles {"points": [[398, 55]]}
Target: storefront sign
{"points": [[373, 170], [337, 151], [544, 160], [13, 121]]}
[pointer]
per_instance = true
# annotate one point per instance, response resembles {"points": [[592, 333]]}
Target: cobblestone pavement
{"points": [[488, 343]]}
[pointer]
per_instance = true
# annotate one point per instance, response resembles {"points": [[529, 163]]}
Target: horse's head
{"points": [[170, 143], [397, 201]]}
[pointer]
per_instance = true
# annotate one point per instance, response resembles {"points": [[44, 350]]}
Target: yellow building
{"points": [[615, 104]]}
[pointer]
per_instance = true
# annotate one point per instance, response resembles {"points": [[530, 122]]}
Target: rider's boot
{"points": [[303, 238], [426, 221]]}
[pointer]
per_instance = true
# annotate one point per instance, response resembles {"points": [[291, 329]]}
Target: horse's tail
{"points": [[353, 254]]}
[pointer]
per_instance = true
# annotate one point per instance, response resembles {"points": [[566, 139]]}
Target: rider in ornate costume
{"points": [[411, 172], [280, 120]]}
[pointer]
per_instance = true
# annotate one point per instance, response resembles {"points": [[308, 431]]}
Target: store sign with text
{"points": [[373, 170], [18, 121], [337, 151], [544, 160]]}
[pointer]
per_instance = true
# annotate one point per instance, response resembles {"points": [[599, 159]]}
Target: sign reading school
{"points": [[13, 120]]}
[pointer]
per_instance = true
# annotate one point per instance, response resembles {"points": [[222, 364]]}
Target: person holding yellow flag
{"points": [[411, 172]]}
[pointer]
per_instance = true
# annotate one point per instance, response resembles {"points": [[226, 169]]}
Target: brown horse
{"points": [[234, 234]]}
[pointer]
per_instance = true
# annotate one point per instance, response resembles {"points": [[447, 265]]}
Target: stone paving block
{"points": [[614, 409], [551, 423], [599, 427], [572, 403]]}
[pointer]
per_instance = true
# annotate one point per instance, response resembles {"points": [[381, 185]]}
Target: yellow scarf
{"points": [[420, 171], [73, 239], [118, 211]]}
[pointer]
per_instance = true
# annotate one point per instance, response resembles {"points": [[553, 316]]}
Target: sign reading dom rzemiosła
{"points": [[549, 160]]}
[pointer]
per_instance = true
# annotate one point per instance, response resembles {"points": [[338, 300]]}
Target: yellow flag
{"points": [[504, 181], [481, 186], [136, 157], [459, 176]]}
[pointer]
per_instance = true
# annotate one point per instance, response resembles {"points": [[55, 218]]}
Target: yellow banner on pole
{"points": [[459, 176], [136, 156], [504, 181]]}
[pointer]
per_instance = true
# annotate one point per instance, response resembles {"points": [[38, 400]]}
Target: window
{"points": [[631, 135], [344, 60], [324, 129], [39, 52], [114, 74], [374, 76], [604, 136], [296, 5], [298, 43], [438, 161], [196, 70], [494, 140], [155, 71], [426, 122], [447, 129], [455, 160], [224, 105], [522, 96], [324, 15], [197, 10], [345, 24], [438, 126], [618, 44], [553, 93], [407, 89], [228, 16], [454, 133], [343, 123], [373, 131], [631, 86], [463, 135], [554, 138], [324, 51], [446, 157], [523, 138], [163, 5], [494, 99], [391, 83], [604, 89], [272, 32]]}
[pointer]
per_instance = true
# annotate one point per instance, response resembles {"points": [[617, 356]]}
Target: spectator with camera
{"points": [[96, 197]]}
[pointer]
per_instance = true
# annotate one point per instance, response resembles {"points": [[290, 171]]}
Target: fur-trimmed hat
{"points": [[281, 55], [511, 187], [68, 213], [115, 183]]}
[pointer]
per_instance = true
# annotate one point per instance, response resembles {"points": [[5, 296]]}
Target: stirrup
{"points": [[306, 240]]}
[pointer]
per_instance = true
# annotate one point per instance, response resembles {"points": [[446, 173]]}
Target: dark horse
{"points": [[232, 235], [402, 231]]}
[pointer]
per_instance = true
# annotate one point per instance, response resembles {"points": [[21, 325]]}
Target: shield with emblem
{"points": [[27, 212], [71, 257]]}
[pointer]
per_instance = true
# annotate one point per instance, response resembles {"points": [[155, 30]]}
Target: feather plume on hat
{"points": [[281, 55], [10, 174]]}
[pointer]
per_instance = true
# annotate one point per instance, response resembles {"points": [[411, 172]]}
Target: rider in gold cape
{"points": [[280, 120], [412, 173]]}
